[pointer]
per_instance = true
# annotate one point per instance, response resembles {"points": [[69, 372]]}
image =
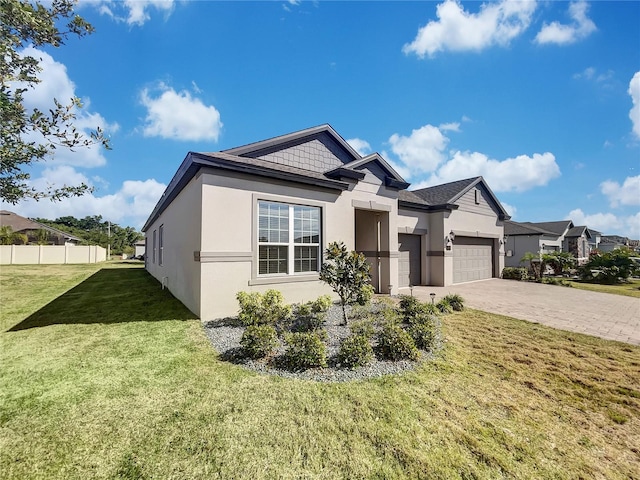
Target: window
{"points": [[161, 243], [153, 256], [288, 238]]}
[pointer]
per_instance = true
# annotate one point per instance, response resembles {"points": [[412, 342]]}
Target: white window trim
{"points": [[266, 279], [161, 245], [153, 257]]}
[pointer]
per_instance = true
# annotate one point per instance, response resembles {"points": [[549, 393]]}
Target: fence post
{"points": [[13, 255], [66, 253], [39, 254]]}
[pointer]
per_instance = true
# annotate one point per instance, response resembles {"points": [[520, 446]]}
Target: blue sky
{"points": [[541, 98]]}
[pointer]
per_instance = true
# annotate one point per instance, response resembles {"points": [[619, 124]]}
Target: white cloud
{"points": [[626, 194], [458, 30], [422, 151], [55, 83], [511, 210], [608, 223], [130, 205], [134, 12], [450, 127], [634, 113], [560, 34], [513, 174], [360, 146], [179, 116]]}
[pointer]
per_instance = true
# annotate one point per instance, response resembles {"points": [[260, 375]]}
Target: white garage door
{"points": [[409, 263], [472, 259]]}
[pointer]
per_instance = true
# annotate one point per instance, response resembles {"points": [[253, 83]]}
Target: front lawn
{"points": [[104, 375], [630, 289]]}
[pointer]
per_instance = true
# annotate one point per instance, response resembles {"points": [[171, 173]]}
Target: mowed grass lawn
{"points": [[104, 375], [628, 289]]}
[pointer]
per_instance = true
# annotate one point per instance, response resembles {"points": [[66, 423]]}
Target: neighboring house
{"points": [[260, 216], [595, 240], [609, 243], [547, 237], [140, 247], [33, 230]]}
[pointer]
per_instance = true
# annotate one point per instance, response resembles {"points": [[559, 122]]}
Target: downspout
{"points": [[378, 248]]}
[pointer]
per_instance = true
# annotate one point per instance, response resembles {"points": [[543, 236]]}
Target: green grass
{"points": [[631, 289], [104, 375]]}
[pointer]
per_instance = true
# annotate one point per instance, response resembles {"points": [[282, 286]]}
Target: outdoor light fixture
{"points": [[452, 235], [433, 298]]}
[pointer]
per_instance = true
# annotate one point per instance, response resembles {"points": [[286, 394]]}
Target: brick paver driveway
{"points": [[605, 315]]}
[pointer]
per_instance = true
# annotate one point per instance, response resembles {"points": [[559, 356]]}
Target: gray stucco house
{"points": [[260, 216], [547, 237]]}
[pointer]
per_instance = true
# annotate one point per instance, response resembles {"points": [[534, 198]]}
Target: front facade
{"points": [[260, 216]]}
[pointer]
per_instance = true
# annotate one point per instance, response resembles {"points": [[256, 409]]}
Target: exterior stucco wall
{"points": [[181, 234], [228, 253]]}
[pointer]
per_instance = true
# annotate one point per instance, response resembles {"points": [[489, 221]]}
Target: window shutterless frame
{"points": [[288, 238]]}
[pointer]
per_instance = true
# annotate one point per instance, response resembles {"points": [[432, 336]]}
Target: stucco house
{"points": [[260, 216]]}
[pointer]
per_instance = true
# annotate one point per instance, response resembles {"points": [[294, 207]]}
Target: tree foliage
{"points": [[24, 23], [9, 237], [561, 262], [348, 273], [93, 230], [609, 267]]}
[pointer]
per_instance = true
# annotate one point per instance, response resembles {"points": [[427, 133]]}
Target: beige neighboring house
{"points": [[32, 230], [260, 216]]}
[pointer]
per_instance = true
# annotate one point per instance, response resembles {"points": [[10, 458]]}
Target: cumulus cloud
{"points": [[560, 34], [130, 205], [511, 210], [55, 83], [422, 151], [626, 194], [360, 146], [516, 174], [608, 223], [179, 116], [458, 30], [134, 12], [634, 113]]}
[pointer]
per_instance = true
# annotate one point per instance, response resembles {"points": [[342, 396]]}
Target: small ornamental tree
{"points": [[609, 267], [348, 274]]}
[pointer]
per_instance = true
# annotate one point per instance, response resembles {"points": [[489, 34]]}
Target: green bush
{"points": [[410, 305], [321, 304], [259, 340], [423, 334], [514, 273], [305, 350], [556, 281], [396, 344], [444, 306], [363, 328], [262, 309], [608, 267], [456, 301], [355, 351]]}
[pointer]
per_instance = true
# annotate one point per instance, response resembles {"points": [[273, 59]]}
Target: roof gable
{"points": [[448, 194], [516, 228], [384, 171]]}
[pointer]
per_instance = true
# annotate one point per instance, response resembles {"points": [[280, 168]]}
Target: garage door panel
{"points": [[472, 259]]}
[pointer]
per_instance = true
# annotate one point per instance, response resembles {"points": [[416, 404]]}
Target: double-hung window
{"points": [[288, 238], [153, 257]]}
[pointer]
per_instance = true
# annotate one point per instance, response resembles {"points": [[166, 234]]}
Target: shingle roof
{"points": [[19, 224], [517, 228], [447, 192], [578, 231], [558, 227]]}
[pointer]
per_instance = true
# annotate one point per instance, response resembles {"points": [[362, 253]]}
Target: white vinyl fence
{"points": [[50, 254]]}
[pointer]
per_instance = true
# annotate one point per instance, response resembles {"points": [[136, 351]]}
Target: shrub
{"points": [[363, 328], [262, 309], [348, 274], [355, 351], [321, 304], [514, 273], [556, 281], [423, 334], [305, 350], [396, 344], [608, 267], [444, 306], [410, 306], [430, 309], [560, 262], [259, 340], [456, 301]]}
